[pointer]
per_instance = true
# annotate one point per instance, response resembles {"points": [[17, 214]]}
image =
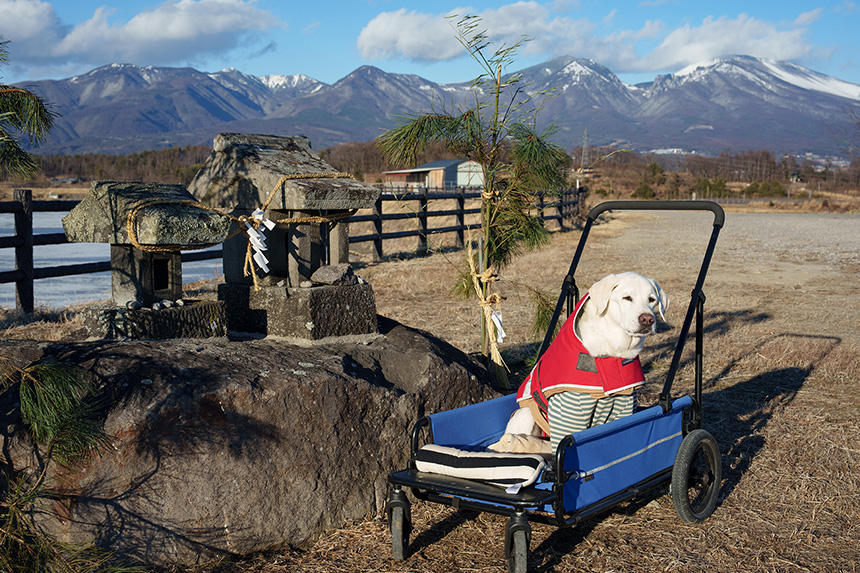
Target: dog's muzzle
{"points": [[646, 323]]}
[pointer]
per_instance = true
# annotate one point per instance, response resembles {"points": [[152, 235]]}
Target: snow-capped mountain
{"points": [[751, 102], [294, 85], [737, 102], [585, 95], [762, 71]]}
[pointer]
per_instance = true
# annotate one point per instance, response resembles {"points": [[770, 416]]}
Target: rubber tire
{"points": [[518, 556], [698, 449], [399, 535]]}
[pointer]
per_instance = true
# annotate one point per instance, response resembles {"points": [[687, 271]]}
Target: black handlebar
{"points": [[696, 300], [719, 214]]}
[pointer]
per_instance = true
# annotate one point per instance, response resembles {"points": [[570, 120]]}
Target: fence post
{"points": [[422, 222], [377, 229], [579, 212], [540, 207], [561, 200], [24, 253], [461, 218]]}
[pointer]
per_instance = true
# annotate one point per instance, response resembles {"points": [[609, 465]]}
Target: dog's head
{"points": [[631, 301]]}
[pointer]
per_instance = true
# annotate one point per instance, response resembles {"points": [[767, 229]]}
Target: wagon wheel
{"points": [[519, 551], [399, 533], [517, 535], [400, 523], [696, 476]]}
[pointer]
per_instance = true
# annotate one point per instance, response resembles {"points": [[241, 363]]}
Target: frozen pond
{"points": [[63, 291]]}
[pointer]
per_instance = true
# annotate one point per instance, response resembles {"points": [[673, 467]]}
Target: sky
{"points": [[327, 39]]}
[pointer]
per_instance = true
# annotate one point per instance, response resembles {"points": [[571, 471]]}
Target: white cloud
{"points": [[409, 34], [31, 25], [430, 37], [723, 36], [807, 18], [173, 31], [422, 36]]}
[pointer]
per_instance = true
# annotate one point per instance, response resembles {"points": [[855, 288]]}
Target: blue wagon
{"points": [[592, 470]]}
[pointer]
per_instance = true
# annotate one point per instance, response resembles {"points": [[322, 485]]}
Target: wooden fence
{"points": [[560, 208]]}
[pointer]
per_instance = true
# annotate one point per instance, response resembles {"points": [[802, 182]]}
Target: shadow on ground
{"points": [[736, 415]]}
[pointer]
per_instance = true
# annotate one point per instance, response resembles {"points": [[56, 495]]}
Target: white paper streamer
{"points": [[496, 315], [261, 217], [261, 261], [258, 241]]}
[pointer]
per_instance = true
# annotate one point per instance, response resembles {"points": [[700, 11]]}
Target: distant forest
{"points": [[626, 172], [173, 165]]}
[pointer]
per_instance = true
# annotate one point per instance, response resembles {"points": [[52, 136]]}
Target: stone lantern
{"points": [[309, 203], [147, 277]]}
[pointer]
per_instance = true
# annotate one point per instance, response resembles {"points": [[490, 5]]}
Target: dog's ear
{"points": [[662, 299], [600, 292]]}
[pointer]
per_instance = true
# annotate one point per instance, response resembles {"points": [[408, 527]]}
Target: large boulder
{"points": [[243, 169], [171, 218], [225, 446]]}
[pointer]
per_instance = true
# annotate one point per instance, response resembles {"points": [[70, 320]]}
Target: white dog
{"points": [[611, 323]]}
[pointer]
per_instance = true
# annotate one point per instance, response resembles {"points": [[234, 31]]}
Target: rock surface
{"points": [[341, 274], [163, 320], [238, 446], [243, 169], [102, 217], [311, 313]]}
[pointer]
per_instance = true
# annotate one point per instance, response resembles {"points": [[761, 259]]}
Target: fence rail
{"points": [[563, 207]]}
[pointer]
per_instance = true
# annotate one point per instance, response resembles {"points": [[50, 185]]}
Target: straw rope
{"points": [[487, 303], [132, 230]]}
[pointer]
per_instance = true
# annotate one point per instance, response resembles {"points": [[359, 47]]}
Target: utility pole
{"points": [[585, 159]]}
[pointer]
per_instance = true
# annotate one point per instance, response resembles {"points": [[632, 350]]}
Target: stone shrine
{"points": [[146, 268], [309, 203]]}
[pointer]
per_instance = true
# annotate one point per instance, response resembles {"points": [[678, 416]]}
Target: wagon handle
{"points": [[719, 214], [695, 299]]}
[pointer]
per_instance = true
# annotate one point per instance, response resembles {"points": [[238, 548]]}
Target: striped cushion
{"points": [[492, 467]]}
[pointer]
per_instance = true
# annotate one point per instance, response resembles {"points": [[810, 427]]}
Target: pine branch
{"points": [[13, 159], [404, 143], [26, 113], [58, 407]]}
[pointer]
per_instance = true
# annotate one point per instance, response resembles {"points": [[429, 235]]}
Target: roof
{"points": [[432, 166], [246, 170]]}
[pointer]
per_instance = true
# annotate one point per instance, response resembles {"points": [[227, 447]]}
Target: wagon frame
{"points": [[687, 456]]}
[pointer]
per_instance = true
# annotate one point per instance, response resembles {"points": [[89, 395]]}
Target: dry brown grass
{"points": [[43, 324], [780, 397], [45, 191]]}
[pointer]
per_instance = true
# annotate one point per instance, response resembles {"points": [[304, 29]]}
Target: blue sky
{"points": [[327, 39]]}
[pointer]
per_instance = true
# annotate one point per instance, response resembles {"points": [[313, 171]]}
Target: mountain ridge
{"points": [[738, 102]]}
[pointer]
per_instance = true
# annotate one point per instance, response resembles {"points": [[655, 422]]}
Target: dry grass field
{"points": [[781, 398], [781, 370]]}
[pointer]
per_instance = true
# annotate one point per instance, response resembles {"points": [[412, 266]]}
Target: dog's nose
{"points": [[646, 320]]}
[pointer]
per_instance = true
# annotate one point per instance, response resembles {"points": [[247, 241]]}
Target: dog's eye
{"points": [[628, 298], [652, 300]]}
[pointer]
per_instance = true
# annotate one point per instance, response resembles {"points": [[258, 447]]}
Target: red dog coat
{"points": [[567, 366]]}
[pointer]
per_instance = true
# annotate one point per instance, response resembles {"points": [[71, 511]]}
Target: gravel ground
{"points": [[801, 268]]}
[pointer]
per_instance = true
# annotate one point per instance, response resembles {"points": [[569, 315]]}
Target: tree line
{"points": [[625, 171], [173, 165], [760, 172]]}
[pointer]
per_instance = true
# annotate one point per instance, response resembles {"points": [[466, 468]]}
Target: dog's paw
{"points": [[521, 444]]}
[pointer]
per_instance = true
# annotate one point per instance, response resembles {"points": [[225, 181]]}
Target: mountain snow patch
{"points": [[810, 80]]}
